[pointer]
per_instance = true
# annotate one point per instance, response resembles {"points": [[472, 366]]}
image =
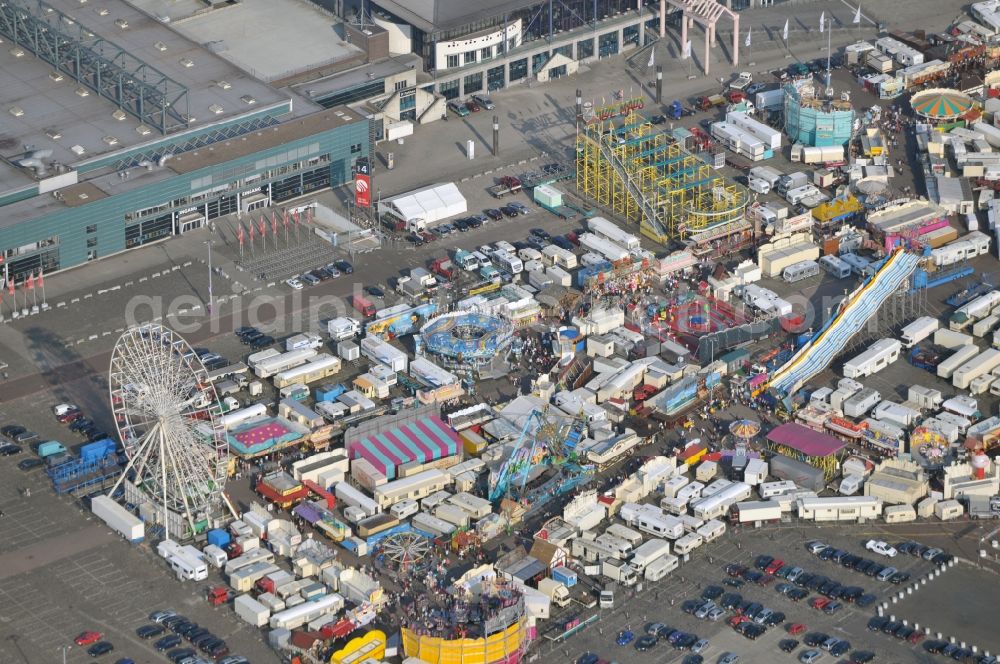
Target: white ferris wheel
{"points": [[165, 409]]}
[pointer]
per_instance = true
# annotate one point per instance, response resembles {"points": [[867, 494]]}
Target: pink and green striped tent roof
{"points": [[423, 440]]}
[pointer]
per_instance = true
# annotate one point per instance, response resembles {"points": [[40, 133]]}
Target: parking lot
{"points": [[662, 601]]}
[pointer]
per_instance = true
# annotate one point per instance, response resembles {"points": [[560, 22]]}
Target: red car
{"points": [[819, 603], [796, 628], [87, 638], [472, 106], [915, 637], [738, 620], [774, 567], [765, 580]]}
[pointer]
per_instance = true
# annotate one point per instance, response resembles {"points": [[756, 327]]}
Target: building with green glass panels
{"points": [[118, 137]]}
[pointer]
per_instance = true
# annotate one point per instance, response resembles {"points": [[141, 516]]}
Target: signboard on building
{"points": [[362, 184]]}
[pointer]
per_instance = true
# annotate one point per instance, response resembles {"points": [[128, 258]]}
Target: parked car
{"points": [[810, 656], [624, 637], [344, 266], [644, 643], [484, 102], [10, 449], [26, 437], [149, 631], [472, 106], [30, 464], [881, 547], [88, 638], [520, 207], [295, 283], [12, 430], [458, 109], [788, 645], [167, 642], [100, 648]]}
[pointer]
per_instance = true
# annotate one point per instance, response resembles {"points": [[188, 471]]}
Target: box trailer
{"points": [[983, 363], [859, 404], [839, 508], [307, 612], [718, 504], [950, 364], [755, 511], [918, 330], [881, 354], [896, 413], [118, 518], [351, 496], [283, 362]]}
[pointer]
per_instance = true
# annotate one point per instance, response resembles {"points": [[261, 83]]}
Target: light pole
{"points": [[209, 308], [65, 649]]}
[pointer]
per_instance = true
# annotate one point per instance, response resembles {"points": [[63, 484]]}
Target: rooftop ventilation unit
{"points": [[119, 115], [56, 76], [122, 23], [17, 52], [188, 118], [248, 100], [16, 111], [82, 92], [225, 85], [78, 150], [160, 46], [216, 109], [110, 140], [187, 62], [54, 134], [102, 11], [143, 130]]}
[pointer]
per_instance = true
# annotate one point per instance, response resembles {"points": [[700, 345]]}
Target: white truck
{"points": [[343, 328], [647, 552], [304, 340], [742, 81], [918, 330], [557, 592], [618, 570]]}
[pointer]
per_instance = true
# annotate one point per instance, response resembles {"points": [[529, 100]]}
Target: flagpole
{"points": [[34, 297], [41, 283]]}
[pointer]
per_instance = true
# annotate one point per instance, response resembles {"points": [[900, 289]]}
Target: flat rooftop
{"points": [[104, 183], [54, 113], [359, 75], [270, 39]]}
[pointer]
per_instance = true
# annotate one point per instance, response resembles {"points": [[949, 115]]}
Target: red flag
{"points": [[251, 231], [10, 286], [295, 217], [239, 235], [263, 227], [29, 283], [40, 282], [284, 219], [274, 223]]}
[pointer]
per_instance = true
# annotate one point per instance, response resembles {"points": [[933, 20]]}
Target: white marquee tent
{"points": [[423, 207]]}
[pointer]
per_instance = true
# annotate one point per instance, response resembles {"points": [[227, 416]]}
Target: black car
{"points": [[874, 570], [588, 658], [851, 593], [866, 600], [25, 437], [752, 576], [891, 627], [493, 213], [535, 243], [712, 593], [173, 620], [167, 642], [904, 632], [461, 224], [862, 656], [863, 565], [934, 647], [12, 430], [344, 267], [942, 559], [814, 639], [250, 337], [816, 582], [798, 594], [691, 605], [195, 634], [753, 609], [827, 553], [474, 222], [540, 233], [839, 555], [658, 119], [849, 560], [519, 245], [730, 601], [96, 435], [775, 619], [149, 631], [375, 291], [686, 641], [876, 623], [179, 654], [693, 659], [9, 449], [100, 648], [804, 580], [644, 643], [761, 562], [899, 577], [30, 464], [509, 211], [262, 342], [415, 240], [788, 645], [840, 647], [183, 626], [245, 330], [562, 243], [753, 631]]}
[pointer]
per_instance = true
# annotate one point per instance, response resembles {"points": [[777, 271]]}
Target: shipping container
{"points": [[283, 362], [983, 363], [647, 552], [432, 525], [755, 511], [353, 497], [251, 611], [859, 404]]}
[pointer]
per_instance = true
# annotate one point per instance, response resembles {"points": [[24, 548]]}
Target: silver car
{"points": [[699, 645], [704, 609]]}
